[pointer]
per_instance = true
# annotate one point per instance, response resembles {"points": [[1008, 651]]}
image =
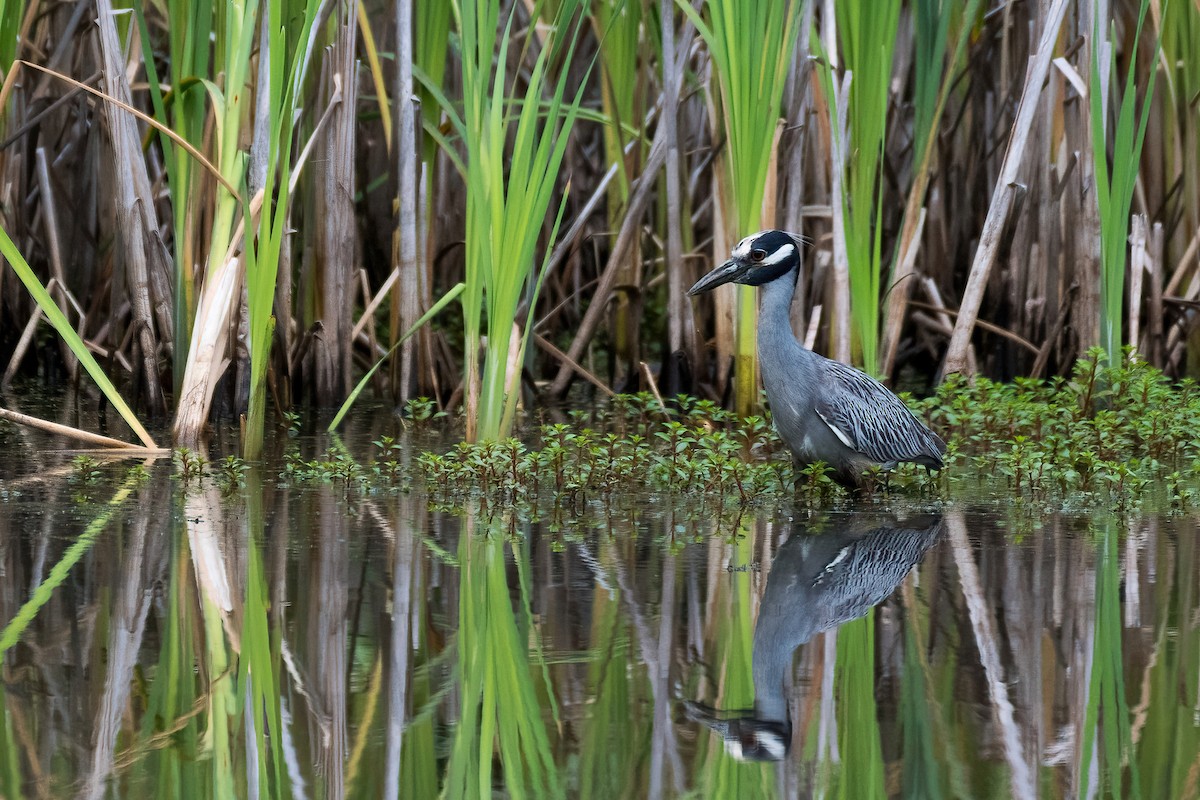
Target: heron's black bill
{"points": [[726, 273]]}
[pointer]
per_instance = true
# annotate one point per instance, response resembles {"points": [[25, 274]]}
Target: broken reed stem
{"points": [[1001, 204], [75, 433]]}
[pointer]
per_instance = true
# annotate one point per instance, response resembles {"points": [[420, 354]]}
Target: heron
{"points": [[823, 576], [823, 409]]}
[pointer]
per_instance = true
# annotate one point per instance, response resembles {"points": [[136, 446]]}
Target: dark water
{"points": [[312, 638]]}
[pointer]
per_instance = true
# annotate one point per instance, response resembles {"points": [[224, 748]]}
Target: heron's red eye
{"points": [[758, 255]]}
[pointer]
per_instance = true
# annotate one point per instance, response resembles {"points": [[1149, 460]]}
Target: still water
{"points": [[309, 638]]}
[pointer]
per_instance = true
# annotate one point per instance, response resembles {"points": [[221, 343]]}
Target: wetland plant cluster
{"points": [[1104, 436], [1116, 437]]}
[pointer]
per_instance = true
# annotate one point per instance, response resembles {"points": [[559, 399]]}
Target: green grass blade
{"points": [[11, 633], [434, 310], [60, 323]]}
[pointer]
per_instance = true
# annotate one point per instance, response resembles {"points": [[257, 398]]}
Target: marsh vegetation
{"points": [[304, 182], [542, 523]]}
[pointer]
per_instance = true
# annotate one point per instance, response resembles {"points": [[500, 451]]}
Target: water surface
{"points": [[310, 637]]}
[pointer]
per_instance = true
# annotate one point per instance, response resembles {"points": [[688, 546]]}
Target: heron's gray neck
{"points": [[772, 663], [773, 647], [782, 357], [775, 316], [776, 305]]}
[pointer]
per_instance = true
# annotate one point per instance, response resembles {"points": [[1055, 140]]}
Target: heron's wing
{"points": [[871, 420], [866, 571]]}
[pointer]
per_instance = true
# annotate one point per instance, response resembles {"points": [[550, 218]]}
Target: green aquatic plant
{"points": [[1115, 185], [230, 473], [189, 464], [85, 469], [511, 174], [1109, 436]]}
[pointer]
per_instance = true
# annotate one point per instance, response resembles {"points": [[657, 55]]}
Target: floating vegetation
{"points": [[1104, 436], [1116, 438]]}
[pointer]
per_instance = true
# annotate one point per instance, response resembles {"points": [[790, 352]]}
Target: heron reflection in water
{"points": [[821, 578]]}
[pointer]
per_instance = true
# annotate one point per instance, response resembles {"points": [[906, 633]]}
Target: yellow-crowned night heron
{"points": [[816, 582], [823, 409]]}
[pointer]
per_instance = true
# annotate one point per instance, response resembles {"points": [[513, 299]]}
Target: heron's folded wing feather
{"points": [[871, 420]]}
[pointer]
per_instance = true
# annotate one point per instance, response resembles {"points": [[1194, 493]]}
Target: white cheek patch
{"points": [[773, 745], [780, 254]]}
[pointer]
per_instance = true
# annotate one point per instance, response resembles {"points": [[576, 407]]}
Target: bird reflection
{"points": [[822, 577]]}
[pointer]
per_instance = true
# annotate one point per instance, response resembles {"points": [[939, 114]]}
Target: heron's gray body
{"points": [[827, 411], [824, 410], [823, 577], [820, 578]]}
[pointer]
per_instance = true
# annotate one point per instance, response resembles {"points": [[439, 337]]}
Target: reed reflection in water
{"points": [[295, 640]]}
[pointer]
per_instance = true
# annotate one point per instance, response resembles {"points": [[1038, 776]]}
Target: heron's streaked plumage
{"points": [[823, 409], [821, 577]]}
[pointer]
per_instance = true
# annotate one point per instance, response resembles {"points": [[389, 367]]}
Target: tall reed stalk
{"points": [[286, 64], [511, 175], [190, 53], [1106, 725], [11, 12], [867, 35], [1115, 186], [501, 713], [936, 24], [750, 45], [220, 290], [618, 25]]}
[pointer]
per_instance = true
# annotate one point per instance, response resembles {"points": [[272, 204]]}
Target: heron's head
{"points": [[758, 740], [757, 259], [747, 736]]}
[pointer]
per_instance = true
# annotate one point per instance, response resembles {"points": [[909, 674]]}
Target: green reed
{"points": [[750, 45], [1179, 34], [287, 42], [1106, 722], [501, 711], [60, 323], [189, 53], [511, 177], [936, 25], [234, 27], [431, 22], [11, 13], [1115, 186], [867, 36]]}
